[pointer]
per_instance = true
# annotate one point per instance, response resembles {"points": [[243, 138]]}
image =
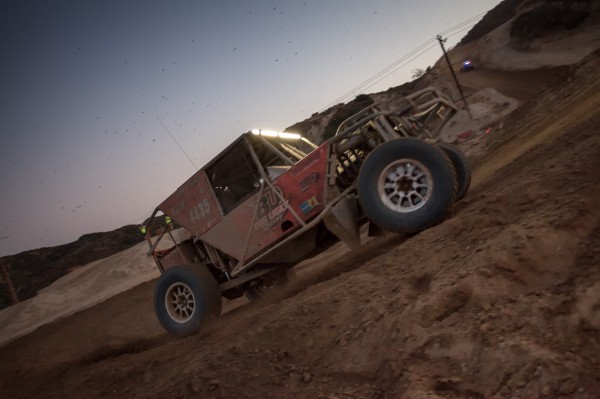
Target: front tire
{"points": [[406, 185], [185, 298]]}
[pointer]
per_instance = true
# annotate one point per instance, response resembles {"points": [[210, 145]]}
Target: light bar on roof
{"points": [[271, 133]]}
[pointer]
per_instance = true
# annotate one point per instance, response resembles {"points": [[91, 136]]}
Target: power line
{"points": [[432, 40], [463, 23], [462, 30], [383, 71], [415, 57], [433, 45], [394, 66]]}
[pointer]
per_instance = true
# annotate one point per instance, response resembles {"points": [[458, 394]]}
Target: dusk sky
{"points": [[86, 84]]}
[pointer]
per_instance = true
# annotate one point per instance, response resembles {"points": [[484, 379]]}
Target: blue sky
{"points": [[85, 85]]}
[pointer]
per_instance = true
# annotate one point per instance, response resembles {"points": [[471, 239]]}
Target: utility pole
{"points": [[11, 289], [462, 96]]}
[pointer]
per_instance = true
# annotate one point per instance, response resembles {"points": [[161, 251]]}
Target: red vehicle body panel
{"points": [[249, 229], [194, 205]]}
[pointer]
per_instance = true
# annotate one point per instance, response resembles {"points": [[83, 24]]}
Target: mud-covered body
{"points": [[238, 212], [243, 226], [270, 200]]}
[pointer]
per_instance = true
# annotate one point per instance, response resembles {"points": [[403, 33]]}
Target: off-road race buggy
{"points": [[271, 200]]}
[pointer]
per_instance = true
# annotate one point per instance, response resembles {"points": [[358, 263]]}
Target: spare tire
{"points": [[185, 298], [406, 185], [462, 166]]}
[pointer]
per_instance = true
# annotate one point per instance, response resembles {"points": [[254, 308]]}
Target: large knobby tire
{"points": [[185, 298], [406, 185], [462, 166]]}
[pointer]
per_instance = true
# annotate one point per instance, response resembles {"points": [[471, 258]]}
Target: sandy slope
{"points": [[80, 289]]}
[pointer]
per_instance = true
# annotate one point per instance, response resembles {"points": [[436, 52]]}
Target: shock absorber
{"points": [[370, 139]]}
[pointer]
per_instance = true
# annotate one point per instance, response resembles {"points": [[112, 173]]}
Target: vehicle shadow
{"points": [[324, 267]]}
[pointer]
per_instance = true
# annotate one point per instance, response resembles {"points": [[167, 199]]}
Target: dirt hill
{"points": [[499, 301], [34, 270], [31, 271]]}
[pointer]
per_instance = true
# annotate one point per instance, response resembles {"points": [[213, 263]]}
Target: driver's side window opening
{"points": [[234, 177]]}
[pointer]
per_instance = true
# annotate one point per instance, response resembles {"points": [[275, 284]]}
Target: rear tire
{"points": [[462, 166], [185, 298], [406, 185]]}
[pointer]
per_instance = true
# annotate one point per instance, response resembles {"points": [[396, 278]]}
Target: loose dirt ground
{"points": [[502, 300]]}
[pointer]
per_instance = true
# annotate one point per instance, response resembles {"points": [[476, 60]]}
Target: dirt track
{"points": [[502, 300]]}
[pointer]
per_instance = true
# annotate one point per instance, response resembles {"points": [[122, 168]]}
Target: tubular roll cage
{"points": [[410, 120]]}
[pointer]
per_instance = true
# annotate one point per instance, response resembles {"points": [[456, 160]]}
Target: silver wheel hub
{"points": [[405, 185], [180, 302]]}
